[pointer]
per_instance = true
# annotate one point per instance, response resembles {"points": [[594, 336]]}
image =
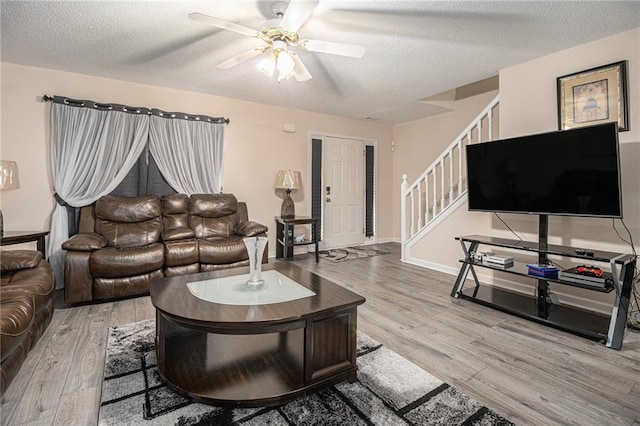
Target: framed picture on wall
{"points": [[594, 96]]}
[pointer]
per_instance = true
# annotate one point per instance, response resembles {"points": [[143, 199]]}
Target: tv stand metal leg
{"points": [[543, 299], [623, 282], [464, 270]]}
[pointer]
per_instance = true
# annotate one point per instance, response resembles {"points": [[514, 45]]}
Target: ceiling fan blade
{"points": [[242, 57], [297, 13], [343, 49], [300, 72], [219, 23]]}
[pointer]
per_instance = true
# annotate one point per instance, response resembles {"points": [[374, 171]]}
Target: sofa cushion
{"points": [[18, 311], [175, 204], [110, 288], [129, 221], [175, 217], [179, 253], [222, 250], [112, 262], [38, 282], [206, 227], [127, 209], [213, 205], [15, 260]]}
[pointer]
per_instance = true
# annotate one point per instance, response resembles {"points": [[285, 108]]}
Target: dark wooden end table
{"points": [[19, 237], [255, 355], [285, 238]]}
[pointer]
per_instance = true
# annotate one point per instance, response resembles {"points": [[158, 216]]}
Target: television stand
{"points": [[606, 329]]}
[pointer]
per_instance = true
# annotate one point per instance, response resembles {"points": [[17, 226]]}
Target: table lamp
{"points": [[8, 180], [288, 180]]}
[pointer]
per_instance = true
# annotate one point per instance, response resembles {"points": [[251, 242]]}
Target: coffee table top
{"points": [[172, 297], [234, 290]]}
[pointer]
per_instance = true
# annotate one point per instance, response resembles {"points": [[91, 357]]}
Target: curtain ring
{"points": [[72, 101], [107, 106]]}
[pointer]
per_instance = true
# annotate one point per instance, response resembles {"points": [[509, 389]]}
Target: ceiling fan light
{"points": [[285, 64], [268, 64]]}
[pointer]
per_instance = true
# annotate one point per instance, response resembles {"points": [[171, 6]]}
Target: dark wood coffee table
{"points": [[255, 355]]}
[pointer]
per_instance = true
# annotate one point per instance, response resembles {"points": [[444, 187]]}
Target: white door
{"points": [[343, 191]]}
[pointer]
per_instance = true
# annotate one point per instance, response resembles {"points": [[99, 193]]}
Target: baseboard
{"points": [[567, 299], [430, 265], [388, 240]]}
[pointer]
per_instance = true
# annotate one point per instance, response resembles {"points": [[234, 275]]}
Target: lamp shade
{"points": [[9, 175], [288, 179]]}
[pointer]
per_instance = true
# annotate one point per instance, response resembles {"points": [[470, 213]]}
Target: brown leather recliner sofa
{"points": [[125, 242], [26, 308]]}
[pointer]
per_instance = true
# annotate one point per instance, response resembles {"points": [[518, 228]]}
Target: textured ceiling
{"points": [[415, 49]]}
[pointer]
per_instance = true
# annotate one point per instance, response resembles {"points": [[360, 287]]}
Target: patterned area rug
{"points": [[390, 390], [349, 253]]}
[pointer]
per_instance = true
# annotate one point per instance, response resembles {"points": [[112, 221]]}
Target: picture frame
{"points": [[594, 96]]}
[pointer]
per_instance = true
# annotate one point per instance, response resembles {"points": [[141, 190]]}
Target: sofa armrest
{"points": [[15, 260], [85, 242], [249, 229]]}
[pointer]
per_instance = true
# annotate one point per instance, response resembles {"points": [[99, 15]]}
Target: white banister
{"points": [[451, 175], [490, 120], [420, 219], [441, 185], [413, 208], [435, 193], [426, 199], [440, 179], [459, 145], [403, 215]]}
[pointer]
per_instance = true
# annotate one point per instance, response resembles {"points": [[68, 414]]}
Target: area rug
{"points": [[390, 390], [349, 253]]}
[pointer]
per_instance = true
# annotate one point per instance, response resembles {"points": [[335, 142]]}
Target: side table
{"points": [[285, 236], [19, 237]]}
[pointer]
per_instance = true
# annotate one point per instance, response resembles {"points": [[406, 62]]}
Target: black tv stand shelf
{"points": [[609, 329]]}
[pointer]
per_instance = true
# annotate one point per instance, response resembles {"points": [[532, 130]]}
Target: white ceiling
{"points": [[415, 49]]}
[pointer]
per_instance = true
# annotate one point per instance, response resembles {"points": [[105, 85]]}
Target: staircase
{"points": [[442, 188]]}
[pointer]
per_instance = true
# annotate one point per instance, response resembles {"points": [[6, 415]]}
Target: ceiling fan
{"points": [[281, 35]]}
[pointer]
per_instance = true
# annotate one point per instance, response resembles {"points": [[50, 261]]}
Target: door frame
{"points": [[367, 142]]}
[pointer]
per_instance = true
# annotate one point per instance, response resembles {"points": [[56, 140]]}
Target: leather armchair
{"points": [[26, 308]]}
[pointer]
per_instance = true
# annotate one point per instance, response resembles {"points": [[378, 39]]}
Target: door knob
{"points": [[328, 200]]}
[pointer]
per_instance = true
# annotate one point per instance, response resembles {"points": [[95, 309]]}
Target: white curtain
{"points": [[91, 153], [188, 153]]}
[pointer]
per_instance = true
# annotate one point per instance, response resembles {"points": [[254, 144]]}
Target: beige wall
{"points": [[417, 144], [534, 84], [255, 146], [528, 105]]}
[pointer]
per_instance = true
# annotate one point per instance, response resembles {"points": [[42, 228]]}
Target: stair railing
{"points": [[444, 182]]}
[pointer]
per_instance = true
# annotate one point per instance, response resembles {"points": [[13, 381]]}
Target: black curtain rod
{"points": [[137, 110]]}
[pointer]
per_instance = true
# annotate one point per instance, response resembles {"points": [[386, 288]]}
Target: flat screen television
{"points": [[572, 172]]}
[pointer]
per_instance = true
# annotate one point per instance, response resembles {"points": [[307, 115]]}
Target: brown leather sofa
{"points": [[26, 308], [125, 242]]}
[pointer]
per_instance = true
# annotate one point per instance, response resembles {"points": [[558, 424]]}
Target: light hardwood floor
{"points": [[533, 375]]}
